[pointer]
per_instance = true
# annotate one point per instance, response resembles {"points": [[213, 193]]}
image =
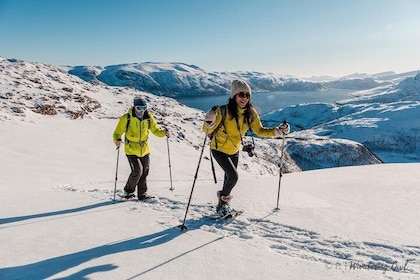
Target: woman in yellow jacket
{"points": [[136, 124], [240, 116]]}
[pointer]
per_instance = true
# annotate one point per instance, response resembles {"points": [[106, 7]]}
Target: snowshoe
{"points": [[127, 195], [145, 197], [226, 212]]}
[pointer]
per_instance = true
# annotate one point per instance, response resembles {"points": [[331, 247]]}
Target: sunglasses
{"points": [[140, 108], [244, 94]]}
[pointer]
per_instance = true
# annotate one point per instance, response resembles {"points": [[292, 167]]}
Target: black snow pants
{"points": [[229, 164], [138, 176]]}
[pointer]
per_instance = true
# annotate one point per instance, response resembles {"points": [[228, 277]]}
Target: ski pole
{"points": [[212, 167], [116, 172], [183, 226], [280, 171], [169, 159]]}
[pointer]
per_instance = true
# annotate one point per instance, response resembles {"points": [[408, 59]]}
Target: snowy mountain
{"points": [[57, 155], [356, 83], [86, 73], [382, 76], [369, 81], [180, 79], [385, 119]]}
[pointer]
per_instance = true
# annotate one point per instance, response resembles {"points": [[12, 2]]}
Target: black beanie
{"points": [[140, 101]]}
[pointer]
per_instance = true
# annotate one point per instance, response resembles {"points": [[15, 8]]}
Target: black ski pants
{"points": [[138, 176], [229, 164]]}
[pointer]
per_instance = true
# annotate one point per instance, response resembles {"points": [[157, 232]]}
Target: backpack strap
{"points": [[128, 122], [129, 118], [126, 127], [222, 121]]}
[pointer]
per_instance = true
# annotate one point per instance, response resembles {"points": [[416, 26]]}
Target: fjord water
{"points": [[266, 102]]}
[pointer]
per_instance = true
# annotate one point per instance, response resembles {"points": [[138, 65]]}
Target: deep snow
{"points": [[58, 220]]}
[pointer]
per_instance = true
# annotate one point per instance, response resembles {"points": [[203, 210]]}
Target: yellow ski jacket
{"points": [[137, 132], [229, 135]]}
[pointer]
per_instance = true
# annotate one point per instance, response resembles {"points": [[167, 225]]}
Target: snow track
{"points": [[284, 239]]}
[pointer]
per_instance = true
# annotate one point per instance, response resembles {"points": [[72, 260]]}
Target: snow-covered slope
{"points": [[58, 221]]}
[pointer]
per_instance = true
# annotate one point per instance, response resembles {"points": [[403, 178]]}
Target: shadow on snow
{"points": [[49, 267], [50, 214]]}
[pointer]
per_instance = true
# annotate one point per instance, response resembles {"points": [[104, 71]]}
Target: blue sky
{"points": [[299, 37]]}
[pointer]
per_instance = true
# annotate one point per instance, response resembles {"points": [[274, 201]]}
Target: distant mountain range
{"points": [[179, 79]]}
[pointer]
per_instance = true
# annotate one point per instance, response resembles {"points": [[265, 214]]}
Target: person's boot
{"points": [[223, 200]]}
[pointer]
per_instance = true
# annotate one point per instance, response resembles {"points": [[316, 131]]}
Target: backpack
{"points": [[129, 117], [128, 123], [223, 111]]}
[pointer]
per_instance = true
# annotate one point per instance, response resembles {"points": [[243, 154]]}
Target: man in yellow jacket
{"points": [[228, 131], [136, 124]]}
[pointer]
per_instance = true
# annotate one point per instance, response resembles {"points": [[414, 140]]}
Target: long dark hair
{"points": [[233, 110]]}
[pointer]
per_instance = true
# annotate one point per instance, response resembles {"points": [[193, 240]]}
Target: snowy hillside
{"points": [[28, 89], [344, 223], [385, 119]]}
